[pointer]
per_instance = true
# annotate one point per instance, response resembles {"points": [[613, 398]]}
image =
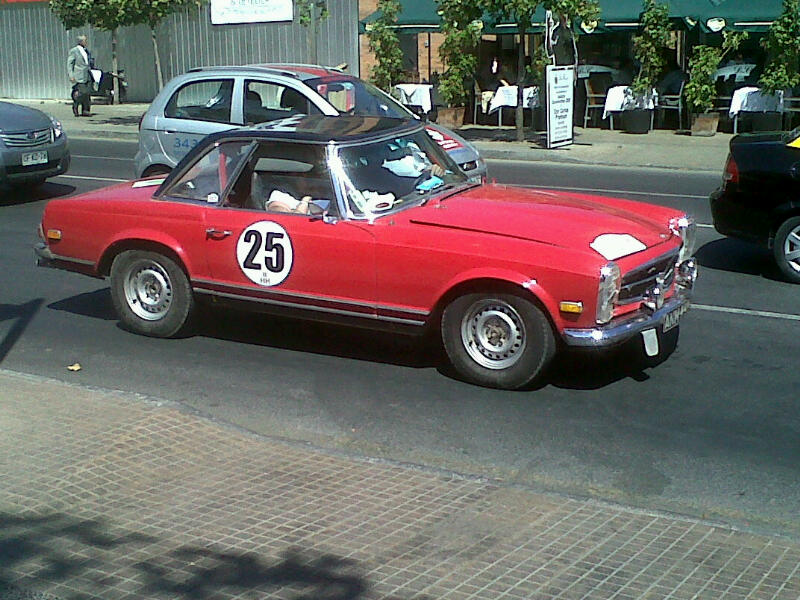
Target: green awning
{"points": [[418, 16]]}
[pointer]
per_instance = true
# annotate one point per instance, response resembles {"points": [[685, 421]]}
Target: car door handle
{"points": [[217, 234]]}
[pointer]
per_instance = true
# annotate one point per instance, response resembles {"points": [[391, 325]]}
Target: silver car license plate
{"points": [[672, 318], [34, 158]]}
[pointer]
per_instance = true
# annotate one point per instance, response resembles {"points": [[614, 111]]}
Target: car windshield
{"points": [[392, 174], [356, 97]]}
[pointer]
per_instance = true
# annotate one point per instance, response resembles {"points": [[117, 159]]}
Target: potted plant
{"points": [[462, 28], [648, 49], [700, 90], [535, 75], [783, 59], [383, 43]]}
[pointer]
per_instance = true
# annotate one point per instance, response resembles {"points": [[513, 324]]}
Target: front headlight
{"points": [[607, 292], [686, 228], [57, 129]]}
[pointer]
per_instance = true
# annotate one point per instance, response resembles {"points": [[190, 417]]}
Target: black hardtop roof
{"points": [[322, 129]]}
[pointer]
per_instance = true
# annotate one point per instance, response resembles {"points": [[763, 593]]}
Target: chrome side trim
{"points": [[295, 305], [277, 292]]}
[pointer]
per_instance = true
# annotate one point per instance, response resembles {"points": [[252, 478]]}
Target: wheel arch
{"points": [[140, 243], [780, 213], [526, 288]]}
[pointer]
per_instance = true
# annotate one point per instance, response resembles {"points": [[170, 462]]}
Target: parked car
{"points": [[759, 199], [367, 221], [210, 99], [33, 146]]}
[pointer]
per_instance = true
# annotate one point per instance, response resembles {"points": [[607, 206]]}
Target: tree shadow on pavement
{"points": [[21, 316], [23, 195], [94, 559]]}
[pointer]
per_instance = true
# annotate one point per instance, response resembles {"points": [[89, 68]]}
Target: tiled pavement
{"points": [[109, 495]]}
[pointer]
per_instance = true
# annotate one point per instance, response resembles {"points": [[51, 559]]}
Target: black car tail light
{"points": [[731, 173]]}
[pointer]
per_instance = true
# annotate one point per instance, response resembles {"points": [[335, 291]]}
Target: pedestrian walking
{"points": [[79, 64]]}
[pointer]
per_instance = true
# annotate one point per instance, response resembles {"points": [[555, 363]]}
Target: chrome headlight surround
{"points": [[607, 292], [686, 228], [58, 130]]}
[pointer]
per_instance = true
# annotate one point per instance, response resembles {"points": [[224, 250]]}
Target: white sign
{"points": [[264, 253], [250, 11], [560, 93]]}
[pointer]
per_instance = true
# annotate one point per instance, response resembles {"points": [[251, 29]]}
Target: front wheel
{"points": [[151, 293], [787, 249], [497, 340]]}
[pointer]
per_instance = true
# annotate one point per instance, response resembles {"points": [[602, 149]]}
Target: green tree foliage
{"points": [[521, 12], [305, 10], [462, 27], [783, 50], [703, 63], [649, 45], [383, 43]]}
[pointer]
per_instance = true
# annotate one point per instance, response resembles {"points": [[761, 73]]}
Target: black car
{"points": [[759, 200]]}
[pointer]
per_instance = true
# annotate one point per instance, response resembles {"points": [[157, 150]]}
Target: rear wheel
{"points": [[497, 340], [787, 249], [151, 293]]}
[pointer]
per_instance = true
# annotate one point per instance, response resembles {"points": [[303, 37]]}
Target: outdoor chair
{"points": [[672, 102], [596, 89]]}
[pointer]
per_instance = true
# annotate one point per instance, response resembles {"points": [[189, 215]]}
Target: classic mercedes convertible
{"points": [[367, 221]]}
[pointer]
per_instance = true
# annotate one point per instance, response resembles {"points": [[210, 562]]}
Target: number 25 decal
{"points": [[264, 253]]}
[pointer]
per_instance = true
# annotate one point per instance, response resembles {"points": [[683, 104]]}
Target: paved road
{"points": [[713, 432]]}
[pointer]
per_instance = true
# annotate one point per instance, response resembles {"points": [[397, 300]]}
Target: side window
{"points": [[207, 179], [208, 100], [287, 177], [265, 101]]}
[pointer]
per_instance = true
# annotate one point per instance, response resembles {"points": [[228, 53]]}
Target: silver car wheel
{"points": [[791, 248], [148, 290], [493, 333]]}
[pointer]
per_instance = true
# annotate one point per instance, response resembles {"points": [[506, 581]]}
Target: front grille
{"points": [[27, 139], [638, 281]]}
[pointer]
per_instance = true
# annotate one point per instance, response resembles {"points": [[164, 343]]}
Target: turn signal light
{"points": [[54, 234], [571, 307]]}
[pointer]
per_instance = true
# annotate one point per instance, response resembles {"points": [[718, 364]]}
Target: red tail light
{"points": [[731, 173]]}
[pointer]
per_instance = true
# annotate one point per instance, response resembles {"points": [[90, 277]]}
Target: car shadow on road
{"points": [[13, 195], [736, 256], [92, 556], [21, 316], [96, 304]]}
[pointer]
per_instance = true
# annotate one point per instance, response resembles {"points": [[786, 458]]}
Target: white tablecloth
{"points": [[741, 71], [507, 96], [621, 98], [415, 94], [750, 99]]}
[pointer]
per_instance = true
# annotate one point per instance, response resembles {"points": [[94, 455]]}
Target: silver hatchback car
{"points": [[210, 99]]}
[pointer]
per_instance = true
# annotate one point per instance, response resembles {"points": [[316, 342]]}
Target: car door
{"points": [[194, 110], [289, 259]]}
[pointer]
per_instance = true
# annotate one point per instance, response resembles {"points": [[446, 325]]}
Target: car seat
{"points": [[252, 107], [294, 101]]}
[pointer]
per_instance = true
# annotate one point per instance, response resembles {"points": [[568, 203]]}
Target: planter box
{"points": [[451, 117], [637, 120], [705, 124]]}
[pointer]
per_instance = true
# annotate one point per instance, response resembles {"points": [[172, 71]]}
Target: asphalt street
{"points": [[713, 432]]}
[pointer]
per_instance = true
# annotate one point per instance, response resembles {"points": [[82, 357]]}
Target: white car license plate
{"points": [[672, 318], [34, 158]]}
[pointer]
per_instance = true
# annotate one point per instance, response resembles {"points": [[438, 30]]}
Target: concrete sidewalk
{"points": [[115, 496], [659, 148]]}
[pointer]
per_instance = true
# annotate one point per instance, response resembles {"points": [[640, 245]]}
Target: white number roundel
{"points": [[264, 252]]}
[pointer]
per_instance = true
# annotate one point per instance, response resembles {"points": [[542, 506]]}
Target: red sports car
{"points": [[368, 221]]}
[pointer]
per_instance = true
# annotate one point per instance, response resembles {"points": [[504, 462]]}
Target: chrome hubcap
{"points": [[791, 248], [148, 290], [493, 334]]}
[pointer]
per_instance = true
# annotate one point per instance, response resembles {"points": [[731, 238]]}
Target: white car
{"points": [[210, 99]]}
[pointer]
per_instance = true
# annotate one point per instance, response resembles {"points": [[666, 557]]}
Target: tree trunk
{"points": [[312, 35], [520, 113], [114, 66], [159, 75]]}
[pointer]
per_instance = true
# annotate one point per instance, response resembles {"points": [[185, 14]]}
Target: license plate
{"points": [[34, 158], [672, 318]]}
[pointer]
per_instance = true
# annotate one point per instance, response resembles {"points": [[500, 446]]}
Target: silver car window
{"points": [[207, 100]]}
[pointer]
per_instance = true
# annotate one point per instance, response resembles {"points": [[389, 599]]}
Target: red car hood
{"points": [[554, 218]]}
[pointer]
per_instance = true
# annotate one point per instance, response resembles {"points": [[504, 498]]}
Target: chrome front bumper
{"points": [[624, 328]]}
